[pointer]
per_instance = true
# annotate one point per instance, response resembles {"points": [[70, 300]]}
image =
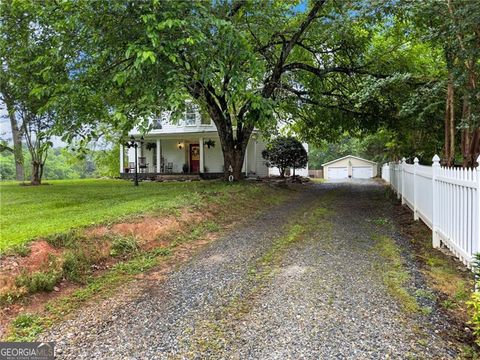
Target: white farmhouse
{"points": [[189, 146]]}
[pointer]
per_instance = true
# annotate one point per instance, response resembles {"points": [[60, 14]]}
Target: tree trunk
{"points": [[450, 124], [17, 143], [37, 170], [475, 146], [233, 162]]}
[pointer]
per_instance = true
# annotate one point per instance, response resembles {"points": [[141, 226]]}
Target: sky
{"points": [[6, 130]]}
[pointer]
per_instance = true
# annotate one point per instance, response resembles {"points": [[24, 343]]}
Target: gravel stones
{"points": [[323, 300]]}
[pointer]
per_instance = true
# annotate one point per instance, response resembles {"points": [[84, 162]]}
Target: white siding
{"points": [[172, 154], [179, 127], [260, 168], [172, 133], [214, 157], [350, 162]]}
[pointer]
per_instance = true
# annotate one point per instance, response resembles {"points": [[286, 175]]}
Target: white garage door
{"points": [[337, 173], [362, 172]]}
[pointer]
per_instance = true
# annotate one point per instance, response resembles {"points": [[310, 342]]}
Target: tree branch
{"points": [[273, 81]]}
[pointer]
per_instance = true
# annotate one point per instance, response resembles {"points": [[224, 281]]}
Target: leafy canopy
{"points": [[285, 152]]}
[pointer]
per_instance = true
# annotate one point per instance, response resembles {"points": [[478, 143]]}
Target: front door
{"points": [[194, 158]]}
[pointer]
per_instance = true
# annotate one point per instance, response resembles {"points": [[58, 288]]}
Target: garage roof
{"points": [[349, 156]]}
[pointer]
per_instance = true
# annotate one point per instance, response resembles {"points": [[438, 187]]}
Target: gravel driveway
{"points": [[324, 298]]}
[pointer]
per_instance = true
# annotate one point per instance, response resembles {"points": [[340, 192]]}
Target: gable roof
{"points": [[348, 157]]}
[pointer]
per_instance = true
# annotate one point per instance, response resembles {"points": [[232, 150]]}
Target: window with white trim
{"points": [[157, 124], [191, 115]]}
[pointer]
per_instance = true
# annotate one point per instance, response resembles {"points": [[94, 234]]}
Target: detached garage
{"points": [[349, 167]]}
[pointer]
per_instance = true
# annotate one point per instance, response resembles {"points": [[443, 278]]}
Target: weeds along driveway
{"points": [[318, 278]]}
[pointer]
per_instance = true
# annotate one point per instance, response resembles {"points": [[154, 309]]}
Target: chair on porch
{"points": [[162, 165], [131, 166], [169, 168], [142, 164]]}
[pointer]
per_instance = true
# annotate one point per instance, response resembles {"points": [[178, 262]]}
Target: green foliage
{"points": [[323, 151], [21, 250], [7, 166], [107, 162], [395, 275], [285, 152], [39, 281], [474, 303], [26, 327], [124, 246], [63, 163], [245, 65], [31, 212], [382, 146], [67, 239], [76, 266]]}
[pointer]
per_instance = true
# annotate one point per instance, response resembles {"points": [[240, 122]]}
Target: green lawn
{"points": [[29, 212]]}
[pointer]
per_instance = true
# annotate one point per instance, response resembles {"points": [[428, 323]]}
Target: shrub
{"points": [[123, 246], [10, 296], [474, 303], [39, 281], [68, 240], [26, 327], [76, 266], [285, 152]]}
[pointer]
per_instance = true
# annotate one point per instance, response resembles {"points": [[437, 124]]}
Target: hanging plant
{"points": [[151, 146], [210, 143]]}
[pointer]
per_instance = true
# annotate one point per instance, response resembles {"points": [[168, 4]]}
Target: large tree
{"points": [[453, 26], [246, 63], [12, 40], [32, 66]]}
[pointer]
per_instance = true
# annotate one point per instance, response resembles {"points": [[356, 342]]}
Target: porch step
{"points": [[177, 177]]}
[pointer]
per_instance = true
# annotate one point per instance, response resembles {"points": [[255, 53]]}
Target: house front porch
{"points": [[169, 177], [161, 157]]}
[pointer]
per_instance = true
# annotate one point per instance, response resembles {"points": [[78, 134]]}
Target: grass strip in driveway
{"points": [[213, 335], [394, 275]]}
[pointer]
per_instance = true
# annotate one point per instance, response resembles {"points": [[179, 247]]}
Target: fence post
{"points": [[477, 240], [435, 168], [386, 172], [391, 176], [404, 161], [415, 192], [398, 179]]}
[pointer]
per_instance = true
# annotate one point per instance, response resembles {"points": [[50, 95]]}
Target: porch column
{"points": [[138, 154], [158, 155], [121, 159], [202, 165]]}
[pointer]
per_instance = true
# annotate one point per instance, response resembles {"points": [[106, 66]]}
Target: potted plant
{"points": [[210, 143], [185, 168], [151, 146]]}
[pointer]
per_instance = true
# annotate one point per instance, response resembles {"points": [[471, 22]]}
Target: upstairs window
{"points": [[191, 115], [157, 124]]}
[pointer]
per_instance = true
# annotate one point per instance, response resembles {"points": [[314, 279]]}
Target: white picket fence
{"points": [[446, 199]]}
